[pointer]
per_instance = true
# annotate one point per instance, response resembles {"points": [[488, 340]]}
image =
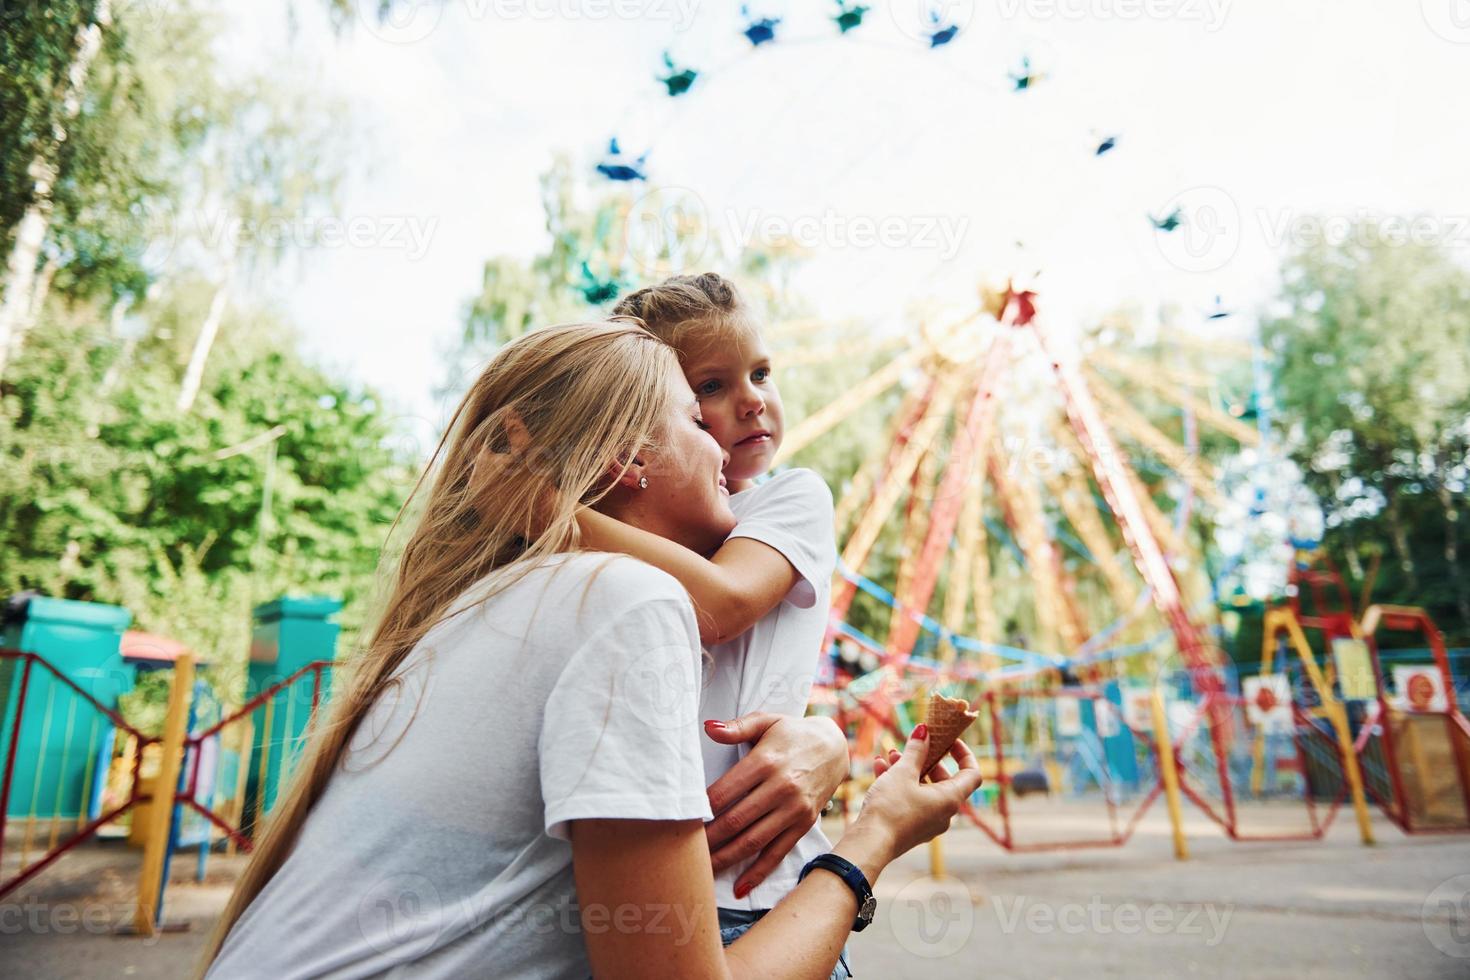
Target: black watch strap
{"points": [[855, 879]]}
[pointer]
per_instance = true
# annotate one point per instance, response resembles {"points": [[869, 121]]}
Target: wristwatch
{"points": [[855, 879]]}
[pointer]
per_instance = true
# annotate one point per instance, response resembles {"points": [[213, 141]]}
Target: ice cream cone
{"points": [[947, 718]]}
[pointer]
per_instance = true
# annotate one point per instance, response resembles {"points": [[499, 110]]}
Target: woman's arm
{"points": [[731, 590], [647, 901], [647, 894]]}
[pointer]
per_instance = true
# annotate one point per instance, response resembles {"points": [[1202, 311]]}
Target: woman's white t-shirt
{"points": [[440, 849]]}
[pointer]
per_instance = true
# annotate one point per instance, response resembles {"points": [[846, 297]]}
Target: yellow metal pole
{"points": [[1170, 772], [936, 857], [1284, 619], [160, 813]]}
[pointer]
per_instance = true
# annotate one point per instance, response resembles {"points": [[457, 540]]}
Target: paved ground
{"points": [[1330, 909]]}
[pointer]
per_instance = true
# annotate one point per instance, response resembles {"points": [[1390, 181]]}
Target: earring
{"points": [[643, 483]]}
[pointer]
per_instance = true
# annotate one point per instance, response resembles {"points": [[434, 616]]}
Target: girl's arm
{"points": [[731, 590]]}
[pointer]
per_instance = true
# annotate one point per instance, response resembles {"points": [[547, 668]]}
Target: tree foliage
{"points": [[1372, 346]]}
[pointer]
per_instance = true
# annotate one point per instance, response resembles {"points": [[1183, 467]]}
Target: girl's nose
{"points": [[754, 404]]}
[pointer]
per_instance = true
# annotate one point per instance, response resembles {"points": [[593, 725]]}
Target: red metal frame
{"points": [[1005, 837], [195, 742], [1230, 823], [1412, 619], [49, 857], [185, 797]]}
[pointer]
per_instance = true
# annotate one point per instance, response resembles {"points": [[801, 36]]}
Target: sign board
{"points": [[1421, 688], [1069, 717], [1138, 709], [1355, 675], [1268, 702]]}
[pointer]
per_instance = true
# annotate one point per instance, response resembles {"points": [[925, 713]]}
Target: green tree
{"points": [[1372, 345], [101, 106]]}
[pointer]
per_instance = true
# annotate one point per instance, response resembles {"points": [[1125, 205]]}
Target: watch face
{"points": [[870, 905]]}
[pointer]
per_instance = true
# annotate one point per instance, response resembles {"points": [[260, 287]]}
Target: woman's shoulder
{"points": [[620, 580], [595, 586]]}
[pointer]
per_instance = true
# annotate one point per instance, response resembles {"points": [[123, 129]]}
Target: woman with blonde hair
{"points": [[510, 782]]}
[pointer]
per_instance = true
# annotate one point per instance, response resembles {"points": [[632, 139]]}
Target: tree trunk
{"points": [[30, 232], [33, 308], [1400, 538], [194, 374], [1451, 535]]}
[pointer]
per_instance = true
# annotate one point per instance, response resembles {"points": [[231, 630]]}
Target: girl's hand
{"points": [[911, 812], [774, 795]]}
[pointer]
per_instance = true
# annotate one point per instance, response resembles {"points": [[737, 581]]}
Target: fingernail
{"points": [[714, 724], [921, 732], [742, 890]]}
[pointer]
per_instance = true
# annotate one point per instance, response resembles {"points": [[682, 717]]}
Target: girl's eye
{"points": [[761, 374], [708, 388], [702, 424]]}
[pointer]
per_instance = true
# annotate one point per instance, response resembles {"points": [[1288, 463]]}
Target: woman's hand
{"points": [[909, 812], [772, 797]]}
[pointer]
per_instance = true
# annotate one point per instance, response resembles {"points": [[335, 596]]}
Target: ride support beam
{"points": [[1281, 620], [979, 421]]}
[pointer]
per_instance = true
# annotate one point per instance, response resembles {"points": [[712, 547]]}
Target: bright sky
{"points": [[1251, 115]]}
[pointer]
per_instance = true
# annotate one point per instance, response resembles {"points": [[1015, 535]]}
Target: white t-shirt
{"points": [[771, 666], [440, 849]]}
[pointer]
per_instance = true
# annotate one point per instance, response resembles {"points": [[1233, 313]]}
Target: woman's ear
{"points": [[515, 431], [633, 477]]}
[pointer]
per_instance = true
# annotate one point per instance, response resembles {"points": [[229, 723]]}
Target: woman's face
{"points": [[685, 500]]}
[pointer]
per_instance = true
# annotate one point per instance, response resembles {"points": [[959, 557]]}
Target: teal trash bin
{"points": [[289, 633], [61, 733]]}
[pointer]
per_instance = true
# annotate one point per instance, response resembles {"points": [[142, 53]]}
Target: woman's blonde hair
{"points": [[558, 409], [689, 312]]}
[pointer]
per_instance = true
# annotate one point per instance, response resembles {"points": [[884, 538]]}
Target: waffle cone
{"points": [[947, 718]]}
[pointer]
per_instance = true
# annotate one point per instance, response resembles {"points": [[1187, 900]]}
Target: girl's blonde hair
{"points": [[558, 409], [689, 312]]}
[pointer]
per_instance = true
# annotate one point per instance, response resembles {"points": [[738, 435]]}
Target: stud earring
{"points": [[643, 483]]}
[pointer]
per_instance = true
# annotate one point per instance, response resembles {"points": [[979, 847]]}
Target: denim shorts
{"points": [[735, 922]]}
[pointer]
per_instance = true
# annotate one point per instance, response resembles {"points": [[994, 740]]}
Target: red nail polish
{"points": [[714, 724], [921, 732], [742, 890]]}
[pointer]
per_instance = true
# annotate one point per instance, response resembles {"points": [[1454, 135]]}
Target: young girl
{"points": [[762, 598]]}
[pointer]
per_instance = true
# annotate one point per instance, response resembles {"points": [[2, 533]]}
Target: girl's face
{"points": [[686, 499], [740, 402]]}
